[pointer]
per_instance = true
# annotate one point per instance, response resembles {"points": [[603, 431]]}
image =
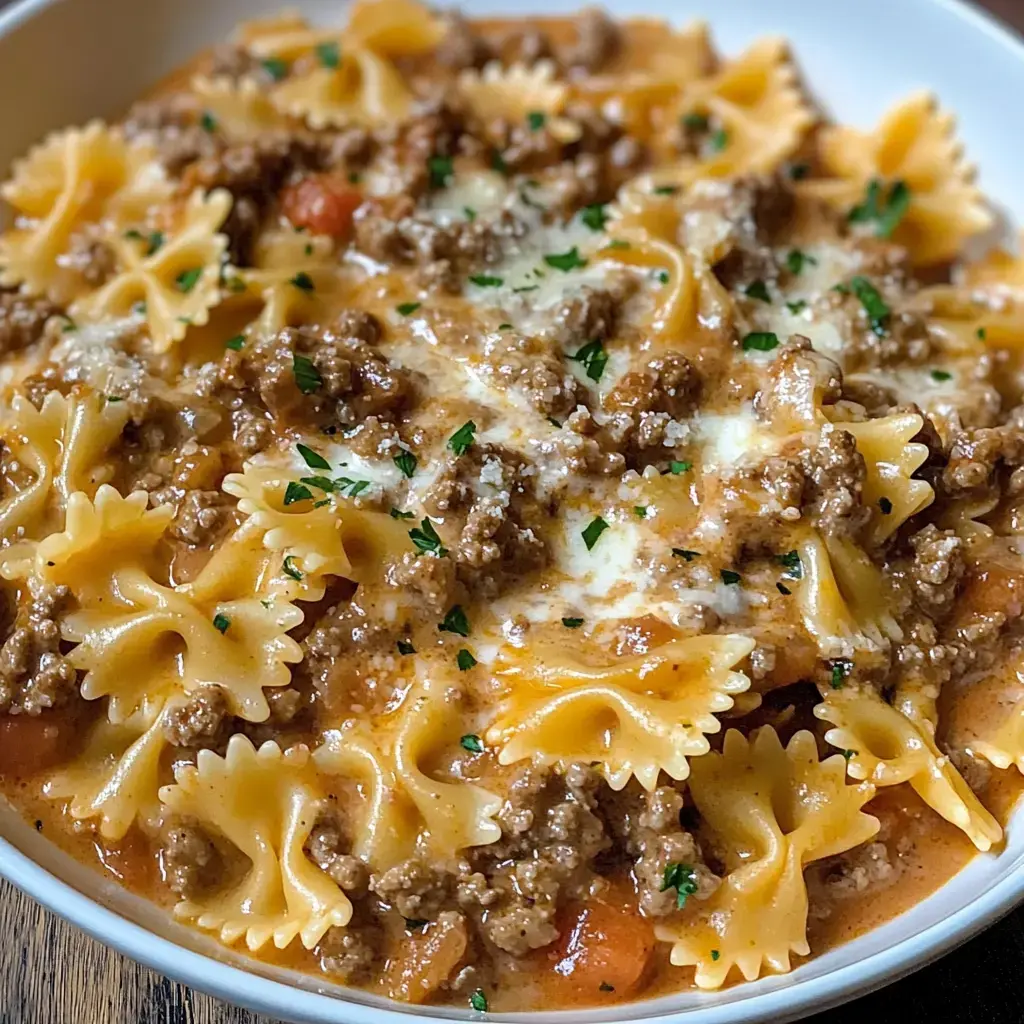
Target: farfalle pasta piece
{"points": [[241, 110], [891, 458], [74, 179], [265, 803], [1000, 273], [915, 144], [966, 322], [115, 778], [1002, 745], [887, 749], [772, 811], [844, 599], [64, 445], [405, 804], [178, 282], [637, 716]]}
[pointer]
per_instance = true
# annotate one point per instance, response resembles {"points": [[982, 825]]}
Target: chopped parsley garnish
{"points": [[797, 172], [188, 279], [566, 261], [426, 539], [790, 561], [682, 878], [526, 288], [757, 290], [235, 285], [405, 647], [718, 141], [324, 483], [618, 243], [113, 398], [535, 119], [455, 622], [760, 341], [849, 753], [571, 622], [469, 212], [498, 163], [797, 259], [796, 307], [303, 282], [221, 623], [694, 122], [471, 741], [289, 568], [154, 240], [715, 954], [465, 660], [885, 505], [981, 333], [504, 327], [486, 281], [783, 589], [307, 377], [235, 343], [441, 171], [594, 216], [208, 122], [593, 358], [406, 462], [640, 510], [399, 514], [676, 467], [354, 487], [941, 375], [415, 924], [874, 305], [407, 308], [554, 423], [296, 492], [665, 190], [662, 276], [605, 987], [275, 67], [683, 553], [593, 531], [311, 458], [462, 440], [329, 54], [841, 668], [478, 1000], [729, 578], [885, 208]]}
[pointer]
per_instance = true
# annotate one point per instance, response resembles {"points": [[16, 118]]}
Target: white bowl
{"points": [[62, 63]]}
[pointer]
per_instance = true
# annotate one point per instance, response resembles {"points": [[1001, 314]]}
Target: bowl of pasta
{"points": [[512, 511]]}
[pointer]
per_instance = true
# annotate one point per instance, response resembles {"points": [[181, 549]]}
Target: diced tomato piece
{"points": [[323, 204]]}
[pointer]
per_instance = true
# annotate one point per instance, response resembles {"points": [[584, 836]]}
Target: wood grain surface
{"points": [[50, 973]]}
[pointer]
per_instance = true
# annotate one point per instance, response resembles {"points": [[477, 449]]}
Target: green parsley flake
{"points": [[695, 122], [275, 67], [941, 375], [665, 190], [441, 171], [405, 647], [594, 216], [406, 462], [113, 398], [154, 240], [498, 163], [465, 660], [758, 290], [841, 668], [303, 282], [455, 622], [676, 468], [486, 281], [307, 377], [790, 561], [407, 308], [471, 741], [640, 510], [329, 54], [718, 140], [797, 259], [715, 954], [462, 440], [729, 578], [783, 589], [235, 343], [849, 754], [208, 122], [981, 333], [535, 119], [398, 514], [797, 172], [593, 358], [685, 554], [593, 531], [662, 276], [469, 212], [886, 209], [289, 568], [605, 987], [571, 622], [311, 458], [566, 261], [296, 492], [885, 505], [221, 623], [618, 243], [188, 279], [478, 1000], [682, 878], [874, 305], [760, 341], [796, 307]]}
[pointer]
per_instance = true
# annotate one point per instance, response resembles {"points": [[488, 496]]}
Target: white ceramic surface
{"points": [[64, 61]]}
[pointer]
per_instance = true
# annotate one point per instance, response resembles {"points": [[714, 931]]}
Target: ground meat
{"points": [[593, 314], [171, 124], [462, 48], [201, 722], [835, 473], [534, 367], [598, 39], [526, 46], [325, 845], [200, 517], [189, 862], [351, 953], [425, 577], [936, 570], [34, 675], [976, 454], [91, 258], [417, 888], [230, 60], [591, 177], [800, 380], [22, 320], [862, 868]]}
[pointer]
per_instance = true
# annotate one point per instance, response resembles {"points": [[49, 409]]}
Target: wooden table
{"points": [[50, 973]]}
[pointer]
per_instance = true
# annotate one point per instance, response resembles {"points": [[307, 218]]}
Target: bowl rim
{"points": [[236, 985]]}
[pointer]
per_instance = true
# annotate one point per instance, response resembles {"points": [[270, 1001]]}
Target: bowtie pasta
{"points": [[486, 496]]}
